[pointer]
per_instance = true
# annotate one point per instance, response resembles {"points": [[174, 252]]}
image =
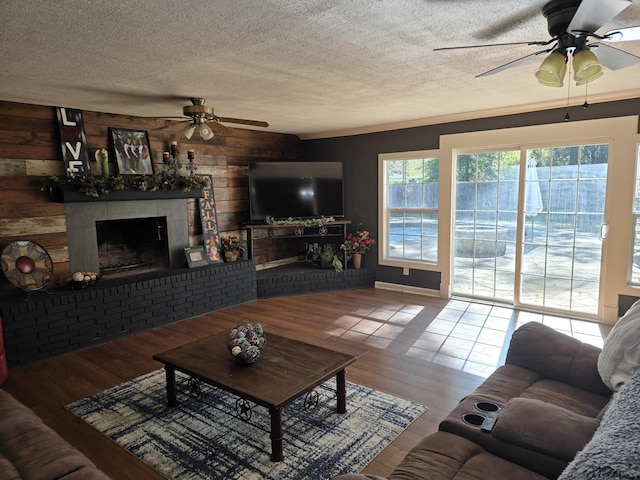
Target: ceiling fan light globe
{"points": [[583, 82], [205, 132], [554, 83], [188, 131], [552, 70], [586, 66]]}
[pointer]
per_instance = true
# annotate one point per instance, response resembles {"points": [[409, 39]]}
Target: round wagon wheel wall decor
{"points": [[27, 265]]}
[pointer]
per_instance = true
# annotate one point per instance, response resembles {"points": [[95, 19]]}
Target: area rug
{"points": [[203, 437]]}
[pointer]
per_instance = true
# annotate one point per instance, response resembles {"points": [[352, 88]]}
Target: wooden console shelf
{"points": [[336, 228]]}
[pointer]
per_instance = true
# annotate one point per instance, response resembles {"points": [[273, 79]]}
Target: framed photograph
{"points": [[131, 151], [196, 256]]}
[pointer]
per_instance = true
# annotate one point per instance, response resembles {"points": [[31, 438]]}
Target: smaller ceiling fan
{"points": [[571, 23], [202, 118]]}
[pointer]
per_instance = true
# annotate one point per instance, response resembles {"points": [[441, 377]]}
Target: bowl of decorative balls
{"points": [[246, 341], [82, 280]]}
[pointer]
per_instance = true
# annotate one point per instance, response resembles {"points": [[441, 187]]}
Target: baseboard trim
{"points": [[407, 289]]}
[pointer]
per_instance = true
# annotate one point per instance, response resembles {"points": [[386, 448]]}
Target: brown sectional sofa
{"points": [[29, 450], [550, 400]]}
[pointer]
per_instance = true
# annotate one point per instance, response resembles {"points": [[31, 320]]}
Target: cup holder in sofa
{"points": [[486, 406], [473, 419]]}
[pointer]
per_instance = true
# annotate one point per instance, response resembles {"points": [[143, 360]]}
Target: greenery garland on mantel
{"points": [[95, 186], [300, 222]]}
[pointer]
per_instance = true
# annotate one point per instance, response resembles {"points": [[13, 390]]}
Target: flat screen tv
{"points": [[295, 189]]}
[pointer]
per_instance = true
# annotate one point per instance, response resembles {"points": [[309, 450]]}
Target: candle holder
{"points": [[191, 167], [170, 158]]}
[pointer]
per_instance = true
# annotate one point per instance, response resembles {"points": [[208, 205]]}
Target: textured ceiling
{"points": [[308, 67]]}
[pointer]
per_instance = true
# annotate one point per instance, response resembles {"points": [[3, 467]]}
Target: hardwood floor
{"points": [[406, 345]]}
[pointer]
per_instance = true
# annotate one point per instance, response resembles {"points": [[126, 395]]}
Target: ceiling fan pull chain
{"points": [[567, 117], [585, 105]]}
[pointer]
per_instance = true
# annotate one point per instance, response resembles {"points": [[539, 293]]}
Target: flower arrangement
{"points": [[233, 244], [358, 242], [231, 247]]}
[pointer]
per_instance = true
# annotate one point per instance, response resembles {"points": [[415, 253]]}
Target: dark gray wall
{"points": [[359, 154]]}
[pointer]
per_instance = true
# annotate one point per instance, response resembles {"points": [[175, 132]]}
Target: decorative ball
{"points": [[25, 264], [82, 280], [246, 341]]}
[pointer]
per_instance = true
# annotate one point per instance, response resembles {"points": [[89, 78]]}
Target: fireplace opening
{"points": [[131, 246]]}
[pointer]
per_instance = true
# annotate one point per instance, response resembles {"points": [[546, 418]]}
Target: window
{"points": [[410, 207], [634, 261]]}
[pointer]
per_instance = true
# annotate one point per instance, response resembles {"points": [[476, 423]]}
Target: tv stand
{"points": [[337, 228]]}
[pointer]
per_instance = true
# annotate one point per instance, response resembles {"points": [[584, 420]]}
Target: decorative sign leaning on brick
{"points": [[209, 218], [73, 141]]}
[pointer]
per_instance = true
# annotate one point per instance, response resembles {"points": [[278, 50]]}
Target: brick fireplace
{"points": [[65, 320]]}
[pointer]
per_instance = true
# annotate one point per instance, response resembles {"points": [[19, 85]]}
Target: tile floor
{"points": [[468, 336]]}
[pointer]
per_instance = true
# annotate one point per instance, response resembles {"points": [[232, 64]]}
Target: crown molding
{"points": [[475, 115]]}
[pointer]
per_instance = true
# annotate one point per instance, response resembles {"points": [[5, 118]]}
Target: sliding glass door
{"points": [[485, 224], [562, 244], [543, 250]]}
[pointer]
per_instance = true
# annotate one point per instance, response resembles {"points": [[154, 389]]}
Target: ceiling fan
{"points": [[572, 24], [202, 118]]}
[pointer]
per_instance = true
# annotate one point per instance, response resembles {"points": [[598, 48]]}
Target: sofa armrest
{"points": [[556, 356], [545, 428], [34, 450]]}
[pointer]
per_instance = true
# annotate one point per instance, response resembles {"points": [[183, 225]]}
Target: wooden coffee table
{"points": [[286, 370]]}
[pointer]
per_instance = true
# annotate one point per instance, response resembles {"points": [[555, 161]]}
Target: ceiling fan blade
{"points": [[513, 63], [255, 123], [218, 128], [628, 34], [592, 14], [509, 22], [612, 57], [540, 42]]}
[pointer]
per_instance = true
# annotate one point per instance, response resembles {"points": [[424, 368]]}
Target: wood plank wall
{"points": [[30, 151]]}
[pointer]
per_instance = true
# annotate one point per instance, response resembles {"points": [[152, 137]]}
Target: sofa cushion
{"points": [[443, 456], [507, 381], [544, 428], [510, 381], [566, 396], [614, 450], [556, 356]]}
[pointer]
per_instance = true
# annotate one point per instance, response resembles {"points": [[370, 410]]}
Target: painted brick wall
{"points": [[297, 279], [68, 320]]}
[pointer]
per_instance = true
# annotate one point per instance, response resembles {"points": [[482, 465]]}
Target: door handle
{"points": [[604, 231]]}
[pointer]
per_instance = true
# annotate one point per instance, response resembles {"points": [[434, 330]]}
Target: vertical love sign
{"points": [[209, 219], [73, 141]]}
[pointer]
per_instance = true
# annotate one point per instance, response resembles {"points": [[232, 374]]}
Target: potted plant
{"points": [[232, 246], [327, 257], [356, 244]]}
